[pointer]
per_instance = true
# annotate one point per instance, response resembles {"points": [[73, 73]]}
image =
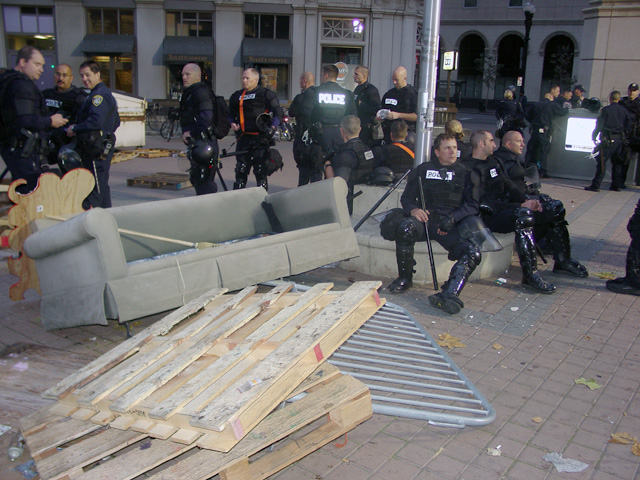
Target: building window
{"points": [[470, 3], [28, 19], [259, 25], [343, 28], [110, 20], [189, 24], [419, 34], [515, 3]]}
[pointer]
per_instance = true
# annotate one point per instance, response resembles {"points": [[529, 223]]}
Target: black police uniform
{"points": [[353, 161], [550, 227], [25, 128], [613, 125], [244, 109], [367, 101], [68, 105], [403, 100], [398, 156], [449, 199], [634, 135], [98, 119], [630, 283], [500, 201], [511, 114], [196, 117], [329, 104], [540, 142], [309, 171]]}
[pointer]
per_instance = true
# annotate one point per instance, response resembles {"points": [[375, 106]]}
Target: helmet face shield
{"points": [[263, 122], [202, 153], [68, 158]]}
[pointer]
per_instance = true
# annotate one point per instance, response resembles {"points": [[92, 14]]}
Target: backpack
{"points": [[220, 116]]}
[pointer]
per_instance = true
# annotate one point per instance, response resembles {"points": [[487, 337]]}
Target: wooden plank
{"points": [[131, 345], [185, 436], [171, 181], [86, 452], [162, 431], [122, 423], [231, 416], [102, 418], [57, 433]]}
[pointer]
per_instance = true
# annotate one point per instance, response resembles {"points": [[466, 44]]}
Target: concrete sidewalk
{"points": [[546, 343]]}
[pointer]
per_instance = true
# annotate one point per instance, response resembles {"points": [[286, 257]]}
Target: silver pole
{"points": [[427, 90]]}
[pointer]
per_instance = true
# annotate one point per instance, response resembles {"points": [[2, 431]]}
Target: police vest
{"points": [[30, 102], [400, 100], [330, 104], [443, 186], [398, 158], [62, 102], [366, 163], [196, 98], [250, 105], [492, 179]]}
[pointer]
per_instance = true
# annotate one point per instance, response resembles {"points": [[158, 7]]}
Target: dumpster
{"points": [[132, 110]]}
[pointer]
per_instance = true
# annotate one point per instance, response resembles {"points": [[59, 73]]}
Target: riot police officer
{"points": [[353, 160], [448, 194], [196, 120], [632, 103], [254, 134], [65, 99], [630, 283], [25, 121], [329, 103], [613, 125], [401, 103], [308, 171], [367, 101], [97, 119], [505, 208], [397, 155]]}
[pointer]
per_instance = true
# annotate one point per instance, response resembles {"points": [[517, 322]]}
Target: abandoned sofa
{"points": [[90, 272]]}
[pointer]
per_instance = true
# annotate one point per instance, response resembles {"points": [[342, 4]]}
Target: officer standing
{"points": [[300, 109], [505, 207], [509, 114], [367, 100], [196, 120], [97, 119], [632, 103], [353, 160], [401, 103], [397, 155], [25, 120], [630, 283], [254, 135], [577, 96], [65, 99], [448, 194], [613, 125], [329, 103]]}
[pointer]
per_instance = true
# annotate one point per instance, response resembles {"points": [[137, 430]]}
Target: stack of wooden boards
{"points": [[203, 390]]}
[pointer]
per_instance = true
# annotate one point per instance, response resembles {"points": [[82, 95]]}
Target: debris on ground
{"points": [[564, 464]]}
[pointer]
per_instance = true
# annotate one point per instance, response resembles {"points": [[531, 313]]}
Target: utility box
{"points": [[132, 111]]}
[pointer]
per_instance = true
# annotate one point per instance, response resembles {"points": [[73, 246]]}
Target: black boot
{"points": [[561, 245], [531, 278], [262, 182], [404, 257], [630, 284], [448, 299]]}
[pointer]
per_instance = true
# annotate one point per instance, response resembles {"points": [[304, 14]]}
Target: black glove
{"points": [[446, 223]]}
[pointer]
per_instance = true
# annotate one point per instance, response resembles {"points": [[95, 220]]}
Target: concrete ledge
{"points": [[378, 256]]}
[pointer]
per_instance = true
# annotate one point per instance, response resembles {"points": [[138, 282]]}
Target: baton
{"points": [[217, 170], [426, 231], [379, 202]]}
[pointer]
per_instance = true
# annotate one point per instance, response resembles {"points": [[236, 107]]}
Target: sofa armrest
{"points": [[94, 225], [318, 203]]}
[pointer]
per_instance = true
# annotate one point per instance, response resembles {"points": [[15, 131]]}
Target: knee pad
{"points": [[242, 168], [523, 218], [554, 209], [475, 255], [407, 232]]}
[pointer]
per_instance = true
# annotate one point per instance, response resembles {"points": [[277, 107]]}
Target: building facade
{"points": [[143, 44]]}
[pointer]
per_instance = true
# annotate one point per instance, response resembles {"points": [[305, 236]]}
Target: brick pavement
{"points": [[549, 341]]}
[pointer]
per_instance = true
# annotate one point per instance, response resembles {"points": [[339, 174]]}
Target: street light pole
{"points": [[529, 9]]}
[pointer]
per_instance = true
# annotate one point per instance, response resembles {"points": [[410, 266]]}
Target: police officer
{"points": [[367, 100], [448, 193], [630, 283], [613, 125], [632, 103], [97, 120], [353, 160], [254, 135], [300, 109], [505, 208], [550, 230], [397, 155], [509, 114], [577, 97], [25, 120], [401, 103], [196, 120], [65, 99], [329, 103]]}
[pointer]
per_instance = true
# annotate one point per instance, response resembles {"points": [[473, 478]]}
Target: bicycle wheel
{"points": [[154, 120], [165, 130], [173, 129], [284, 131]]}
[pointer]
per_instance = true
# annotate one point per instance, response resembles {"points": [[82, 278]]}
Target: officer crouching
{"points": [[98, 119]]}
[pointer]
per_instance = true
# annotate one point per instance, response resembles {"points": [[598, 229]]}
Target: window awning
{"points": [[107, 43], [261, 50], [187, 49]]}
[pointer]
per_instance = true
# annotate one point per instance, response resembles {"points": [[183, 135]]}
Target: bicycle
{"points": [[155, 116], [171, 125], [286, 129]]}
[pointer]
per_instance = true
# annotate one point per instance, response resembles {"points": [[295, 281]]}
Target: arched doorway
{"points": [[558, 62], [471, 48], [510, 51]]}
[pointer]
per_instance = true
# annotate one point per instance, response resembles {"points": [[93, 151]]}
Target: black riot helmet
{"points": [[68, 158], [382, 176], [592, 104], [263, 122], [202, 153]]}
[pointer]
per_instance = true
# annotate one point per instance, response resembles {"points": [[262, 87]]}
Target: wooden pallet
{"points": [[205, 375], [162, 180], [157, 152]]}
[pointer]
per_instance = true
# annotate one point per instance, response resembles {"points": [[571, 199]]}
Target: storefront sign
{"points": [[186, 58], [252, 59]]}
